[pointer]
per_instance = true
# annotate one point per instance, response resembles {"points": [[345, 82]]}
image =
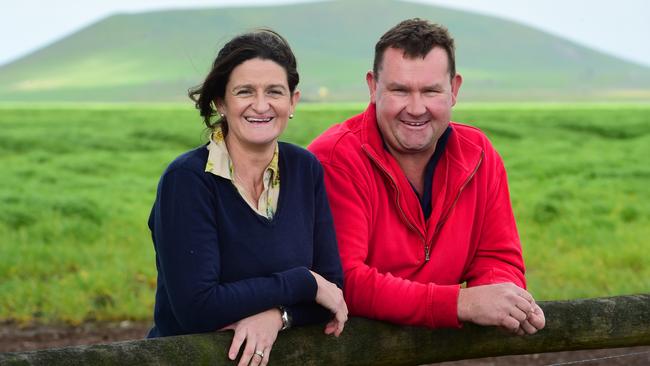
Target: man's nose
{"points": [[416, 106]]}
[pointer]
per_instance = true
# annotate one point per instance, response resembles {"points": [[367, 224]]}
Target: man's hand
{"points": [[259, 331], [504, 305]]}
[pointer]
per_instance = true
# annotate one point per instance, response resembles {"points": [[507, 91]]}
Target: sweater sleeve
{"points": [[369, 292], [498, 257], [187, 247], [326, 261]]}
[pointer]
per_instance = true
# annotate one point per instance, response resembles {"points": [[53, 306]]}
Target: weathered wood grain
{"points": [[621, 321]]}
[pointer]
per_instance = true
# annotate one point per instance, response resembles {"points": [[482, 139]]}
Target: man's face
{"points": [[414, 98]]}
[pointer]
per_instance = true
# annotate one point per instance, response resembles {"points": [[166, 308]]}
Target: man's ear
{"points": [[456, 81], [372, 85]]}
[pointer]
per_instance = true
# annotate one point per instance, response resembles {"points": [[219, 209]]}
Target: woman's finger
{"points": [[237, 341], [339, 328], [257, 358], [342, 318], [228, 327], [267, 354], [249, 351], [331, 326]]}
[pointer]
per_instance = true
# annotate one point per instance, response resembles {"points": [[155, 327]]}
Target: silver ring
{"points": [[259, 353]]}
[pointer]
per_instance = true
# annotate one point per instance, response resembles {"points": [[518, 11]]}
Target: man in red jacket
{"points": [[421, 204]]}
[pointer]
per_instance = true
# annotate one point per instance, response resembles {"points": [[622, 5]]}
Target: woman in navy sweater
{"points": [[242, 229]]}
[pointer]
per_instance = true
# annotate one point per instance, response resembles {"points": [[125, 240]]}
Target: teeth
{"points": [[415, 124], [258, 120]]}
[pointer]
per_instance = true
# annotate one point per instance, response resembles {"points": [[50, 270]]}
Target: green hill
{"points": [[157, 56]]}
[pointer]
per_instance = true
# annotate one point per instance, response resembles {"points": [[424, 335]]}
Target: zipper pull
{"points": [[426, 253]]}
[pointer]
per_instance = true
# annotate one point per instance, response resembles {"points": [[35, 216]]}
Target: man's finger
{"points": [[518, 314], [510, 324], [526, 295], [525, 306], [528, 328], [537, 319]]}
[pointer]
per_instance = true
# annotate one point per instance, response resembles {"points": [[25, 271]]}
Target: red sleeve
{"points": [[368, 292], [498, 257]]}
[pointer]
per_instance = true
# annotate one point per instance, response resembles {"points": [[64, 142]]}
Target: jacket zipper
{"points": [[451, 208], [403, 215]]}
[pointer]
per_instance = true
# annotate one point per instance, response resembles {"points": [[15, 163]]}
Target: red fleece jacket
{"points": [[398, 266]]}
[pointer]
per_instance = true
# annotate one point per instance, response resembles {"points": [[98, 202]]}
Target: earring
{"points": [[291, 116], [214, 106]]}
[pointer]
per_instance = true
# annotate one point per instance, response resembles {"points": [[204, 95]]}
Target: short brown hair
{"points": [[416, 37]]}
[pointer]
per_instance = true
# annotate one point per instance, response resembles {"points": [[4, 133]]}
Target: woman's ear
{"points": [[295, 98], [218, 106]]}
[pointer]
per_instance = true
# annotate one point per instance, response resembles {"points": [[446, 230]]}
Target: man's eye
{"points": [[276, 92], [243, 92]]}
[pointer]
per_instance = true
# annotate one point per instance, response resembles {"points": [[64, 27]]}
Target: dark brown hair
{"points": [[416, 37], [265, 44]]}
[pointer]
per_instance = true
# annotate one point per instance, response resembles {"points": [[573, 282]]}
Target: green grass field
{"points": [[78, 183]]}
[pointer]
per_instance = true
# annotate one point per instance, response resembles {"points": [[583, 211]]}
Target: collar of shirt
{"points": [[220, 164], [425, 199]]}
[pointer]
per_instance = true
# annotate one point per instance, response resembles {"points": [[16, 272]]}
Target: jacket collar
{"points": [[456, 168], [464, 153]]}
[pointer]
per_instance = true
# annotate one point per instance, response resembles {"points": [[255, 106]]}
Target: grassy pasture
{"points": [[77, 184]]}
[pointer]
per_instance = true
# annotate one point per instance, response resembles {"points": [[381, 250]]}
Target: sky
{"points": [[620, 28]]}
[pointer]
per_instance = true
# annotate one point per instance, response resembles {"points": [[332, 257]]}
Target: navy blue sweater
{"points": [[218, 261]]}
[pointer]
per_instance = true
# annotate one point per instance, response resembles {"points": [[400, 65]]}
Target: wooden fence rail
{"points": [[621, 321]]}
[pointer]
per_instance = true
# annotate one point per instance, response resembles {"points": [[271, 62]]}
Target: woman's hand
{"points": [[331, 297], [259, 331]]}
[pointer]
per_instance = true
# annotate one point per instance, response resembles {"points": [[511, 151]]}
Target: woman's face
{"points": [[257, 103]]}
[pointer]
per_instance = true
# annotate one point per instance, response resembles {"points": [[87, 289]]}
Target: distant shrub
{"points": [[545, 212], [629, 214]]}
